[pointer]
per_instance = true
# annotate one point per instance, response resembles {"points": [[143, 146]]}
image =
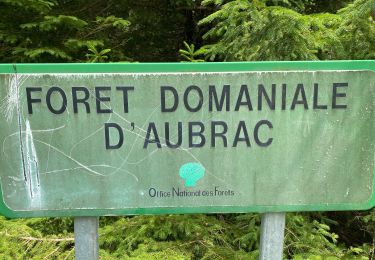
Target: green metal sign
{"points": [[104, 139]]}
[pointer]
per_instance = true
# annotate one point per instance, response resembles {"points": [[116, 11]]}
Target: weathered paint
{"points": [[58, 164]]}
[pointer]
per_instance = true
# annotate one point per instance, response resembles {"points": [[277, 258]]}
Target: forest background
{"points": [[189, 31]]}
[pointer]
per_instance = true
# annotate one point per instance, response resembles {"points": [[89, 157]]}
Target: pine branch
{"points": [[46, 239], [53, 251]]}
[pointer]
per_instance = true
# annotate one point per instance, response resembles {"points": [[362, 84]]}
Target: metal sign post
{"points": [[86, 238], [272, 236]]}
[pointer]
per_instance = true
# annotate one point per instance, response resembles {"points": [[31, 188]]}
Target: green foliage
{"points": [[230, 236], [251, 30], [190, 54], [19, 239], [95, 55], [41, 6], [113, 21], [159, 27], [76, 44], [296, 5], [309, 236], [53, 23], [191, 236], [36, 33], [34, 54], [133, 30], [357, 30]]}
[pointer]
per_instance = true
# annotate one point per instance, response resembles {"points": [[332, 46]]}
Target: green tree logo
{"points": [[191, 173]]}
